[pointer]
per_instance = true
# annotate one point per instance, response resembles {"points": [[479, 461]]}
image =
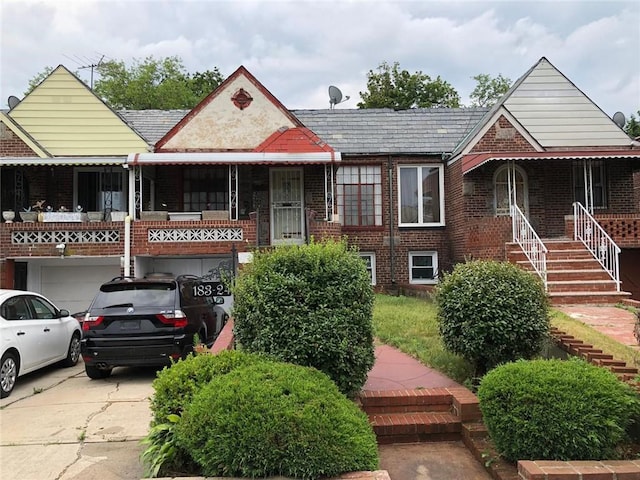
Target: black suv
{"points": [[146, 322]]}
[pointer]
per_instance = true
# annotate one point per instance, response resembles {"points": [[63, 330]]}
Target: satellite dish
{"points": [[13, 101], [335, 96], [618, 119]]}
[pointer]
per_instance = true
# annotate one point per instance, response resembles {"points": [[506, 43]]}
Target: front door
{"points": [[287, 208]]}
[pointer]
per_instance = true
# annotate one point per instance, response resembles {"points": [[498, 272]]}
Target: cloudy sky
{"points": [[298, 48]]}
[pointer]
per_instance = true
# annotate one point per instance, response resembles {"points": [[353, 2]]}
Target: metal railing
{"points": [[597, 240], [533, 248]]}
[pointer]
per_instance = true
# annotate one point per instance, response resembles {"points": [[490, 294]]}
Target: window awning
{"points": [[61, 161], [474, 160], [233, 158]]}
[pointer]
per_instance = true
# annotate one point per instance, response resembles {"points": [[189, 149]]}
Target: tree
{"points": [[632, 128], [35, 81], [154, 83], [391, 87], [488, 90]]}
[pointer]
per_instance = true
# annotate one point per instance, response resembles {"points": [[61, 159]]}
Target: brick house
{"points": [[416, 191]]}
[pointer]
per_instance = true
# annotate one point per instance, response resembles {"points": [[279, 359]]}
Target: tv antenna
{"points": [[335, 96], [88, 64]]}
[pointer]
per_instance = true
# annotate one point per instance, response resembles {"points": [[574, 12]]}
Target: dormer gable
{"points": [[240, 115]]}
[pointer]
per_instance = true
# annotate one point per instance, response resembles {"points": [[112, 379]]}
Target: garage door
{"points": [[73, 287]]}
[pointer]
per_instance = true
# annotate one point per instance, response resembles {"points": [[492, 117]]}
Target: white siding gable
{"points": [[557, 114]]}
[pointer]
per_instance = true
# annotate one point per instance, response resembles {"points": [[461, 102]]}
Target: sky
{"points": [[297, 49]]}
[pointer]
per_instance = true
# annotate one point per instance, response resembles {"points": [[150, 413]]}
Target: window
{"points": [[501, 182], [360, 195], [370, 262], [423, 267], [595, 173], [101, 189], [205, 188], [42, 309], [421, 192]]}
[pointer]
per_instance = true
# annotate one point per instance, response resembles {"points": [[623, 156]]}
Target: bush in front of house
{"points": [[310, 305], [556, 410], [492, 312], [175, 386], [275, 418]]}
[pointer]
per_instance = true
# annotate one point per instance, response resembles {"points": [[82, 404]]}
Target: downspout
{"points": [[392, 257]]}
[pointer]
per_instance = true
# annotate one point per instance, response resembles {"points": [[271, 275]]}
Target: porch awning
{"points": [[474, 160], [61, 161], [233, 158]]}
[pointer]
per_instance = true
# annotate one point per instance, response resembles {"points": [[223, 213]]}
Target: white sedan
{"points": [[35, 333]]}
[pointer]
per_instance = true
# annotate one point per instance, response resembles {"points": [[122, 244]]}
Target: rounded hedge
{"points": [[276, 419], [176, 385], [492, 312], [556, 410], [311, 305]]}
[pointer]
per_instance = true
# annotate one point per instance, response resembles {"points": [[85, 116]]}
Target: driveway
{"points": [[60, 425]]}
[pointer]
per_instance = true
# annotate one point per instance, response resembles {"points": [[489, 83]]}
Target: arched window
{"points": [[510, 180]]}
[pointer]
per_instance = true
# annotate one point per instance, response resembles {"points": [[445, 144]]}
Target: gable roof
{"points": [[554, 112], [237, 116], [66, 118], [9, 123]]}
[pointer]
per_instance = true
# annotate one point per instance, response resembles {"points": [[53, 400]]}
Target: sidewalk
{"points": [[614, 322]]}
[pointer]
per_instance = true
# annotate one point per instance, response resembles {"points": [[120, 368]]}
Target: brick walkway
{"points": [[614, 322]]}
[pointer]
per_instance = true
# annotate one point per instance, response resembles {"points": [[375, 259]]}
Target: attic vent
{"points": [[242, 99]]}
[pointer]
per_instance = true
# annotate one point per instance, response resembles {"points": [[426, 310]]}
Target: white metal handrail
{"points": [[525, 236], [597, 240]]}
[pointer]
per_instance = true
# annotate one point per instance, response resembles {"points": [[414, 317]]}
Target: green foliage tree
{"points": [[492, 312], [488, 90], [36, 79], [311, 305], [154, 84], [632, 128], [556, 410], [391, 87]]}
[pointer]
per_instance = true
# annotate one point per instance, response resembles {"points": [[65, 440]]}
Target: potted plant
{"points": [[95, 216], [29, 214], [8, 216]]}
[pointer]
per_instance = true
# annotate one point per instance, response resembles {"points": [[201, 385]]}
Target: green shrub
{"points": [[492, 312], [175, 385], [556, 410], [276, 419], [311, 305]]}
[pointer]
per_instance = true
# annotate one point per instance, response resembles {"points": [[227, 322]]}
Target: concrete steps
{"points": [[574, 276], [425, 415]]}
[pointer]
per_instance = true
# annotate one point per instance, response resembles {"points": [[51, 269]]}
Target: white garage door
{"points": [[73, 287]]}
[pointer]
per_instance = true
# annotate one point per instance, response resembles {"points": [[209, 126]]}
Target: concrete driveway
{"points": [[58, 424]]}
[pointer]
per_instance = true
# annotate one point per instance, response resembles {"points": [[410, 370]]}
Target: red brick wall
{"points": [[502, 137], [12, 146]]}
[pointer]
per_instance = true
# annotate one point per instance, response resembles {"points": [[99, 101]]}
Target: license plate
{"points": [[130, 325]]}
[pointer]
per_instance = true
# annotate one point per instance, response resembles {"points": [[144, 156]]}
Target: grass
{"points": [[410, 325], [588, 335]]}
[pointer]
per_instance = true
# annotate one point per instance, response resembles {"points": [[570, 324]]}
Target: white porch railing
{"points": [[525, 236], [598, 242]]}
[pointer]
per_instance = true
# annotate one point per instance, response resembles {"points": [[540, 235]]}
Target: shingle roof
{"points": [[353, 131], [420, 130]]}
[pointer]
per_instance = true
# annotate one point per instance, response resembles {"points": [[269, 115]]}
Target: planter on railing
{"points": [[154, 215]]}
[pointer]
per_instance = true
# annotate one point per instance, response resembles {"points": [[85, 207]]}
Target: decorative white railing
{"points": [[194, 235], [597, 240], [65, 236], [525, 236]]}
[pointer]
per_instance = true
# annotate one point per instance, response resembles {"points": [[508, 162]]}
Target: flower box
{"points": [[154, 215], [184, 216]]}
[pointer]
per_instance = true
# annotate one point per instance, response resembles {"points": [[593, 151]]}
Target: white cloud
{"points": [[298, 48]]}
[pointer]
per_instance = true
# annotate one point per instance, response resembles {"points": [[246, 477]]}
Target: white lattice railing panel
{"points": [[194, 235], [62, 236]]}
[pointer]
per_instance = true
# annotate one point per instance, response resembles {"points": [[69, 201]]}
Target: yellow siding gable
{"points": [[67, 118], [221, 125]]}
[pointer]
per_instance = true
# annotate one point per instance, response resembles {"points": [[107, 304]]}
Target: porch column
{"points": [[328, 193], [588, 185], [233, 192], [133, 195]]}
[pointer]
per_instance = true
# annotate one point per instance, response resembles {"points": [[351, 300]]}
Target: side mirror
{"points": [[64, 313]]}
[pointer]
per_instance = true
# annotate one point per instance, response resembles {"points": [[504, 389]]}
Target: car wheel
{"points": [[96, 373], [8, 374], [73, 354]]}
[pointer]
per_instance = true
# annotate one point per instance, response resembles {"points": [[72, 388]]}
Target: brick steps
{"points": [[573, 275], [425, 415]]}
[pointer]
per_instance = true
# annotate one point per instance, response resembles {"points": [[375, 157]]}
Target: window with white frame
{"points": [[421, 195], [370, 262], [590, 174], [423, 267], [360, 195], [507, 181]]}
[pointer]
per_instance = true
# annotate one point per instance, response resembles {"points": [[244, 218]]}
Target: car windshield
{"points": [[136, 295]]}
